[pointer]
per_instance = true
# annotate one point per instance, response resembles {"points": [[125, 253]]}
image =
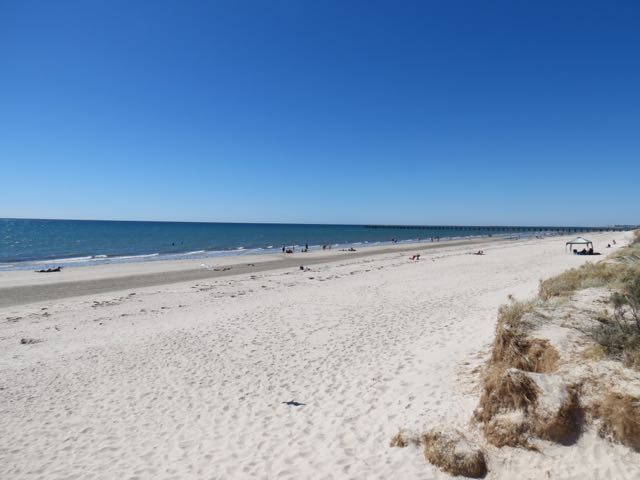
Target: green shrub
{"points": [[628, 298]]}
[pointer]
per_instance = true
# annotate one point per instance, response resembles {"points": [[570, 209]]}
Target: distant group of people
{"points": [[292, 249], [584, 251]]}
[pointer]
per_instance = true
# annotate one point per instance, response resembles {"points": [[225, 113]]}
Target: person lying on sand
{"points": [[415, 257], [50, 270], [479, 252]]}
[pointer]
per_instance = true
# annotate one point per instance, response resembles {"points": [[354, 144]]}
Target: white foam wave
{"points": [[63, 260], [126, 257]]}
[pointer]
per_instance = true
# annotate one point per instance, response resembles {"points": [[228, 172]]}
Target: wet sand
{"points": [[21, 287]]}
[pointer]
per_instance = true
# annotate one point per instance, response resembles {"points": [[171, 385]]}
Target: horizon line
{"points": [[633, 226]]}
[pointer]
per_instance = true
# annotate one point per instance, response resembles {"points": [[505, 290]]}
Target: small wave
{"points": [[126, 257], [63, 260], [195, 252]]}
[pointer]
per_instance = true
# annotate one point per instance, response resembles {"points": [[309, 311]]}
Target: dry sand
{"points": [[187, 380]]}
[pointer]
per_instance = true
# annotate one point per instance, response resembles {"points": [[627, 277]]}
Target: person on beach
{"points": [[50, 270]]}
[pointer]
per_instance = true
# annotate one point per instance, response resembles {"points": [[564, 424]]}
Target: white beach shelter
{"points": [[579, 241]]}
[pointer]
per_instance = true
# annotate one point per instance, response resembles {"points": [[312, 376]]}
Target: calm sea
{"points": [[26, 242]]}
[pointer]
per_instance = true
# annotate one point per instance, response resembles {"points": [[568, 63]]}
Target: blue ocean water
{"points": [[25, 242]]}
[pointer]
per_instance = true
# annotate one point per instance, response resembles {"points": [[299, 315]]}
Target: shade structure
{"points": [[579, 241]]}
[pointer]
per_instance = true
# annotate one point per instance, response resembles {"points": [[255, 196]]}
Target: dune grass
{"points": [[454, 455], [509, 407], [604, 273], [586, 276], [620, 341], [619, 416], [619, 334], [514, 348]]}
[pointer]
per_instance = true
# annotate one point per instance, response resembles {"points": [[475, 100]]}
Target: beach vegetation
{"points": [[586, 276], [565, 424], [402, 439], [505, 391], [527, 393], [514, 348], [619, 333], [512, 410], [619, 418], [454, 454], [619, 340], [594, 353]]}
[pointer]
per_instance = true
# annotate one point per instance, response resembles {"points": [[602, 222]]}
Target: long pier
{"points": [[507, 229]]}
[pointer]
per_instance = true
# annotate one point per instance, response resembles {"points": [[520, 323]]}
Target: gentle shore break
{"points": [[20, 287]]}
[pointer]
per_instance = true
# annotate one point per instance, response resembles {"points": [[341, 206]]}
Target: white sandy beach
{"points": [[188, 380]]}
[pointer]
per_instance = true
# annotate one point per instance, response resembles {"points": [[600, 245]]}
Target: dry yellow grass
{"points": [[508, 398], [513, 409], [511, 415], [585, 276], [619, 416], [594, 352], [504, 430], [514, 348], [505, 391], [454, 455], [401, 439], [565, 424]]}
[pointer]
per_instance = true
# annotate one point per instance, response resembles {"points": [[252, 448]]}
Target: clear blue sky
{"points": [[441, 112]]}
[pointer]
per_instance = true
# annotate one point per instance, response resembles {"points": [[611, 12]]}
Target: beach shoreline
{"points": [[19, 287], [279, 373]]}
